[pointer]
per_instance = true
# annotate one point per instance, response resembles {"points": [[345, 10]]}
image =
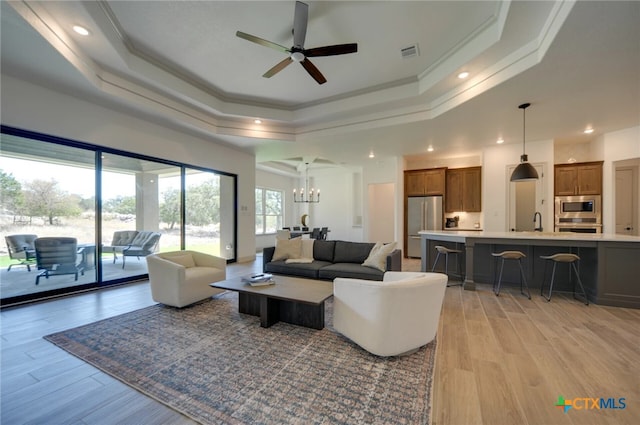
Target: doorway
{"points": [[525, 199], [626, 198]]}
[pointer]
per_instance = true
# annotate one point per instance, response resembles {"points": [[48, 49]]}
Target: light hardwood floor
{"points": [[500, 360]]}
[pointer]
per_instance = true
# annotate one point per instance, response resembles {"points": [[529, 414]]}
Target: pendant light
{"points": [[524, 171]]}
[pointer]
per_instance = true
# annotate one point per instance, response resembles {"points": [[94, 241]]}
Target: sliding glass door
{"points": [[134, 221], [115, 207]]}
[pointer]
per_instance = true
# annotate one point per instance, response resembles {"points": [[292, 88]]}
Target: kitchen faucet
{"points": [[537, 228]]}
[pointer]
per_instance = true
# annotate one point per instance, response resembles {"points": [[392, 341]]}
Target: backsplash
{"points": [[466, 220]]}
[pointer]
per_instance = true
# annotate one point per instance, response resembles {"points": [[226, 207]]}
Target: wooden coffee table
{"points": [[292, 300]]}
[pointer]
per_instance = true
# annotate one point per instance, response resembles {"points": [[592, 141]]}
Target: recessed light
{"points": [[80, 30], [463, 75], [588, 131], [372, 155], [500, 141], [257, 121], [430, 148]]}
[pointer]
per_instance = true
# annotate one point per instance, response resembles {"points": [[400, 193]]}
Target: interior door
{"points": [[625, 201]]}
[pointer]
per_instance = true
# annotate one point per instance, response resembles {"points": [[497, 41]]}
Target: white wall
{"points": [[384, 171], [417, 163], [567, 153], [336, 207], [382, 214], [39, 109], [341, 200]]}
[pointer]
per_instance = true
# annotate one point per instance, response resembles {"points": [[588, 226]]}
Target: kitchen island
{"points": [[609, 266]]}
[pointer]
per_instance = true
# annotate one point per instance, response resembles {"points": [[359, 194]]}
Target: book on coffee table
{"points": [[259, 279]]}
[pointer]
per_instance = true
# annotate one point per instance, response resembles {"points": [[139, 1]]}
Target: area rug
{"points": [[218, 366]]}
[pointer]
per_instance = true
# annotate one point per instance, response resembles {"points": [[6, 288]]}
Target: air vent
{"points": [[410, 51]]}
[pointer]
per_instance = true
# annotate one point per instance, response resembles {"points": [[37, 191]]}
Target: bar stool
{"points": [[562, 257], [510, 255], [446, 252]]}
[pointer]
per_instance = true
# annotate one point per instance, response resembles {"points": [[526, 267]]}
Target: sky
{"points": [[75, 180]]}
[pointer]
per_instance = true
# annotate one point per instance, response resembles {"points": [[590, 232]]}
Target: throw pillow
{"points": [[378, 257], [185, 260], [307, 248], [287, 248]]}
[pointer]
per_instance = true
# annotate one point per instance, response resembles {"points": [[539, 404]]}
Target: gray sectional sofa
{"points": [[333, 259]]}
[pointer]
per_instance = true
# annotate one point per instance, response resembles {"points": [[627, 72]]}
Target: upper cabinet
{"points": [[424, 182], [578, 179], [464, 189]]}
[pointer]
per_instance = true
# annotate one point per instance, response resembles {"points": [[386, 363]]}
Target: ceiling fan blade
{"points": [[261, 41], [300, 19], [338, 49], [313, 71], [279, 67]]}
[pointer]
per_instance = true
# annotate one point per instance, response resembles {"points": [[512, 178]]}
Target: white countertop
{"points": [[567, 236]]}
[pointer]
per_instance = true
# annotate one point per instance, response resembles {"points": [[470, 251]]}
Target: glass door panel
{"points": [[133, 195], [209, 213], [47, 192]]}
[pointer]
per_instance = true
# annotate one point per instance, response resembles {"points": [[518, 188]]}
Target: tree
{"points": [[121, 205], [10, 193], [203, 203], [170, 208], [44, 198], [88, 204]]}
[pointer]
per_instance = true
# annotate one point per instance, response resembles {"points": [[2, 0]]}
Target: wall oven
{"points": [[579, 214]]}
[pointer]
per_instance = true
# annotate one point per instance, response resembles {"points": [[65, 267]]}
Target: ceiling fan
{"points": [[297, 53]]}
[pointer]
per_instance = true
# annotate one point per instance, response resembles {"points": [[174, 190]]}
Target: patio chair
{"points": [[121, 239], [21, 249], [143, 244], [57, 256]]}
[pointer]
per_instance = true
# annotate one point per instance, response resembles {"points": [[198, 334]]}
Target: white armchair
{"points": [[181, 278], [392, 317]]}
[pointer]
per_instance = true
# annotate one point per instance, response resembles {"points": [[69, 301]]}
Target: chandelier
{"points": [[312, 196]]}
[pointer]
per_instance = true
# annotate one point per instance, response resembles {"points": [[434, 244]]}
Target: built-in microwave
{"points": [[578, 212]]}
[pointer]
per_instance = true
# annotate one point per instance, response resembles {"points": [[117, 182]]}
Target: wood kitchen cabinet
{"points": [[424, 182], [578, 179], [464, 189]]}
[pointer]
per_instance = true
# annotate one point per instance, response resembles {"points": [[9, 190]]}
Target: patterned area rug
{"points": [[218, 366]]}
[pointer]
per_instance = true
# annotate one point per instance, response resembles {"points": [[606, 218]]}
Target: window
{"points": [[268, 210]]}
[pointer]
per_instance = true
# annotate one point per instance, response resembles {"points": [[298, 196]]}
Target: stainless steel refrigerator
{"points": [[424, 213]]}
